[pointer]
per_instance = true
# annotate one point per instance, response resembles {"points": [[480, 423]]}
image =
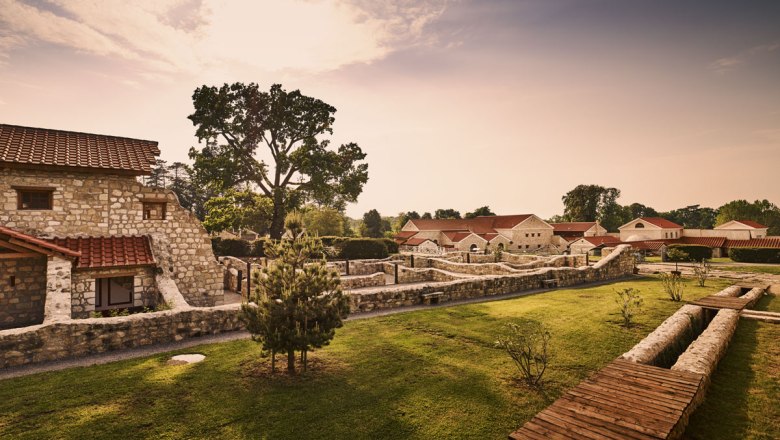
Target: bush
{"points": [[527, 344], [257, 247], [702, 272], [696, 252], [392, 246], [674, 286], [630, 304], [360, 248], [230, 247], [755, 255]]}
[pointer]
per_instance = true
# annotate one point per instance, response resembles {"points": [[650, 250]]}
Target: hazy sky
{"points": [[457, 103]]}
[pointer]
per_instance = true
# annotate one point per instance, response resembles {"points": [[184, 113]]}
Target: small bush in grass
{"points": [[702, 272], [527, 343], [674, 286], [630, 303]]}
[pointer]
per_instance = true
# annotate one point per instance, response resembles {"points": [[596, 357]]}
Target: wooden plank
{"points": [[654, 418], [631, 397], [549, 430], [583, 428], [616, 400], [673, 375], [14, 255], [661, 384], [640, 391], [684, 384], [601, 422], [629, 424], [525, 433]]}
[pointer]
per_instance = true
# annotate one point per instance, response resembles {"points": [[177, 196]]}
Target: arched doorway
{"points": [[473, 248]]}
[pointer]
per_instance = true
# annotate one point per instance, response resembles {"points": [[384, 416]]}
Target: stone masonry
{"points": [[89, 204], [22, 291]]}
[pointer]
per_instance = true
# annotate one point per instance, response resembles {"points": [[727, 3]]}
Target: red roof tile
{"points": [[415, 241], [114, 251], [768, 242], [478, 225], [602, 239], [37, 242], [661, 222], [406, 234], [752, 224], [713, 242], [572, 226], [29, 146]]}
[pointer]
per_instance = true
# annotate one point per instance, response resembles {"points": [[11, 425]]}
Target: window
{"points": [[154, 210], [639, 226], [526, 235], [34, 198], [113, 292]]}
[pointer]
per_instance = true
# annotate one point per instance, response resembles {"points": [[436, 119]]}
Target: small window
{"points": [[154, 211], [113, 292], [639, 226], [34, 198]]}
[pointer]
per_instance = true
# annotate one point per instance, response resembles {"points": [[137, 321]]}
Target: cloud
{"points": [[726, 64], [169, 37]]}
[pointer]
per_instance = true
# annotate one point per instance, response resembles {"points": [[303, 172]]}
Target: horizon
{"points": [[673, 103]]}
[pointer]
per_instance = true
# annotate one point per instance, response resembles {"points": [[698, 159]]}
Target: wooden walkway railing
{"points": [[623, 400]]}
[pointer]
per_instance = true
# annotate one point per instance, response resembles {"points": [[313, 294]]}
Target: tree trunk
{"points": [[277, 221], [291, 361]]}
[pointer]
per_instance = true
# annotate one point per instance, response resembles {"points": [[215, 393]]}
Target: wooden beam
{"points": [[13, 247], [7, 256], [31, 247]]}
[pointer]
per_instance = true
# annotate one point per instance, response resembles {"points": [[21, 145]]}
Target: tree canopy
{"points": [[480, 212], [588, 203], [323, 221], [761, 211], [237, 120], [237, 210], [446, 213], [373, 225]]}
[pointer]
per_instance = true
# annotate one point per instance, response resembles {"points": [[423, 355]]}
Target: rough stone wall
{"points": [[409, 275], [49, 342], [102, 204], [619, 265], [471, 269], [662, 346], [83, 288], [703, 355], [22, 303], [58, 290], [360, 281]]}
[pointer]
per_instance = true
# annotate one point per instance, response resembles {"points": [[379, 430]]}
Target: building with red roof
{"points": [[74, 210]]}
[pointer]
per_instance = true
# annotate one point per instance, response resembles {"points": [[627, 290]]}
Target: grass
{"points": [[769, 303], [427, 374], [742, 400], [657, 259], [773, 270]]}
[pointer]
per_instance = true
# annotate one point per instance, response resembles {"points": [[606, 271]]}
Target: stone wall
{"points": [[22, 303], [50, 342], [408, 275], [664, 344], [617, 265], [360, 281], [83, 288], [101, 205]]}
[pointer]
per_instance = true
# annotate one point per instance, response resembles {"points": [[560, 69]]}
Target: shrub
{"points": [[695, 252], [674, 286], [527, 344], [755, 255], [359, 248], [630, 304], [230, 247], [257, 247], [392, 246], [702, 272]]}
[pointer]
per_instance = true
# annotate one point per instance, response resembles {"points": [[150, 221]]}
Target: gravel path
{"points": [[133, 353]]}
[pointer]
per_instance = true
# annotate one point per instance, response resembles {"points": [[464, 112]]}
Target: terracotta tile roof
{"points": [[572, 226], [28, 146], [661, 222], [29, 239], [114, 251], [415, 241], [713, 242], [752, 224], [459, 236], [768, 242], [405, 234], [602, 239], [478, 225]]}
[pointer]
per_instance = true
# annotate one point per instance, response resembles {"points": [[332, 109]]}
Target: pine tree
{"points": [[297, 305]]}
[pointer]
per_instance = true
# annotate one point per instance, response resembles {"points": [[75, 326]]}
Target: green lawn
{"points": [[657, 259], [426, 374], [773, 270], [742, 402], [769, 303]]}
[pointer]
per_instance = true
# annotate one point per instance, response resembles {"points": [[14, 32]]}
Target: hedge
{"points": [[755, 255], [695, 252], [392, 246], [235, 247], [360, 248]]}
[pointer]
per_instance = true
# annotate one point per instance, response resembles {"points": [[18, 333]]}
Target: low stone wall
{"points": [[51, 342], [408, 275], [358, 267], [619, 264], [662, 346], [359, 281], [703, 355], [471, 269]]}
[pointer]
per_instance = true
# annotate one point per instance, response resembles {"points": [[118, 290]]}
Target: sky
{"points": [[457, 103]]}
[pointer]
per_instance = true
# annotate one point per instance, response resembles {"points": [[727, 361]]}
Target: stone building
{"points": [[74, 215], [525, 233]]}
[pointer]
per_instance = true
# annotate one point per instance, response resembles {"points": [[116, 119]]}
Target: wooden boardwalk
{"points": [[623, 400], [721, 302]]}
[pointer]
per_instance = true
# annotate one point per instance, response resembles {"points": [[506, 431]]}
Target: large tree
{"points": [[237, 210], [693, 217], [588, 203], [446, 213], [236, 120], [483, 211], [373, 225], [761, 211], [323, 221]]}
